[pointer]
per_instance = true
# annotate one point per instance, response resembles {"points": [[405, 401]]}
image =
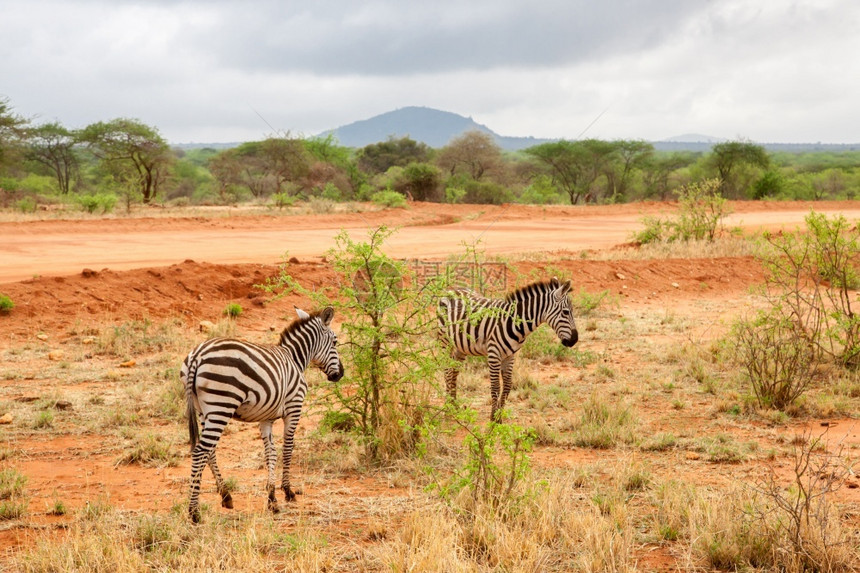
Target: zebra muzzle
{"points": [[574, 337], [335, 376]]}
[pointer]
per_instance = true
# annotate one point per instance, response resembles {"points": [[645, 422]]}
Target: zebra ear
{"points": [[554, 282], [326, 315], [565, 288], [302, 314]]}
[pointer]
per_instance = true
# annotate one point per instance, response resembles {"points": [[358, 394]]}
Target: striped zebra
{"points": [[226, 378], [497, 328]]}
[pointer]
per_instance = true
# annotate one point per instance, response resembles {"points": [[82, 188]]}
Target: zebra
{"points": [[227, 378], [473, 325]]}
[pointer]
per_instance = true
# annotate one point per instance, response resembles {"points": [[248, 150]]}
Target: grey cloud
{"points": [[399, 38]]}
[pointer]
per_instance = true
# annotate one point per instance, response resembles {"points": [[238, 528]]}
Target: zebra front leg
{"points": [[451, 375], [507, 377], [495, 375], [226, 498], [290, 423], [451, 383], [271, 458]]}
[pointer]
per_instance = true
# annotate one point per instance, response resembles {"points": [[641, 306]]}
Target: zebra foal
{"points": [[226, 378], [473, 325]]}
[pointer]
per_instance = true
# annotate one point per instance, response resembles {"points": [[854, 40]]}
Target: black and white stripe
{"points": [[497, 328], [226, 378]]}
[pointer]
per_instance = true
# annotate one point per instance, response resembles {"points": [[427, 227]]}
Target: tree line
{"points": [[128, 161]]}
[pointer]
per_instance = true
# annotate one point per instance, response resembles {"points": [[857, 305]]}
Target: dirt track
{"points": [[61, 247]]}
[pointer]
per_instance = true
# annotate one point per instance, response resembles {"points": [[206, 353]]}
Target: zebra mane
{"points": [[538, 286], [297, 324]]}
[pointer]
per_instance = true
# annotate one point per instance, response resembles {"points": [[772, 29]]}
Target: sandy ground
{"points": [[427, 231]]}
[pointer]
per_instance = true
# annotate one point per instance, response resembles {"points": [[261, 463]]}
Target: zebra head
{"points": [[324, 353], [559, 314]]}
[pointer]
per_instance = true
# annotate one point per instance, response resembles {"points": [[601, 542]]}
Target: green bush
{"points": [[26, 205], [542, 191], [6, 304], [388, 198], [811, 279], [389, 346], [700, 210], [775, 359], [98, 202], [283, 199], [454, 194]]}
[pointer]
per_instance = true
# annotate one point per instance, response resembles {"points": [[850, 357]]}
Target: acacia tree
{"points": [[658, 169], [628, 156], [727, 157], [575, 166], [53, 145], [473, 154], [133, 152], [285, 159]]}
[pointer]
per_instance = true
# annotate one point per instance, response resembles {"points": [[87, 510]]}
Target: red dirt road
{"points": [[428, 231]]}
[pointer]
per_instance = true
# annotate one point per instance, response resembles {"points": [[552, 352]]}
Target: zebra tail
{"points": [[193, 429], [190, 413]]}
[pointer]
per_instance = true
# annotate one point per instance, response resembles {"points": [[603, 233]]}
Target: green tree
{"points": [[627, 157], [658, 171], [575, 166], [770, 184], [12, 134], [133, 152], [285, 159], [226, 168], [53, 145], [421, 181], [379, 157], [727, 158]]}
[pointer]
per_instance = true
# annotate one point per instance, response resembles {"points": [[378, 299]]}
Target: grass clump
{"points": [[603, 425], [6, 304], [150, 450], [233, 310], [13, 502]]}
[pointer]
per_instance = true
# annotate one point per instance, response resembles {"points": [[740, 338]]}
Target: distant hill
{"points": [[431, 126], [437, 128]]}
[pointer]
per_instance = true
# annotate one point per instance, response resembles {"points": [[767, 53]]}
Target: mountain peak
{"points": [[433, 127]]}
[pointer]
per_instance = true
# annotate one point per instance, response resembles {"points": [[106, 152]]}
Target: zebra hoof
{"points": [[194, 514], [227, 500], [290, 494]]}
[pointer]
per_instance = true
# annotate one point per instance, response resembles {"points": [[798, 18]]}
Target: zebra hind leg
{"points": [[271, 458], [200, 457], [226, 498]]}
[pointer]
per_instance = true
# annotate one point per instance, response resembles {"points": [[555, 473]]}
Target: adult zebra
{"points": [[497, 328], [226, 378]]}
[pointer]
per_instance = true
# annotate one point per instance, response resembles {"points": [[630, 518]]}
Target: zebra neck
{"points": [[300, 355], [528, 315]]}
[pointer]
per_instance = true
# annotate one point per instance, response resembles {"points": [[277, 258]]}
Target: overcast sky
{"points": [[240, 70]]}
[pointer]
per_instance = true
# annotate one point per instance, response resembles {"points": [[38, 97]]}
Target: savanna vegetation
{"points": [[654, 444], [122, 162]]}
